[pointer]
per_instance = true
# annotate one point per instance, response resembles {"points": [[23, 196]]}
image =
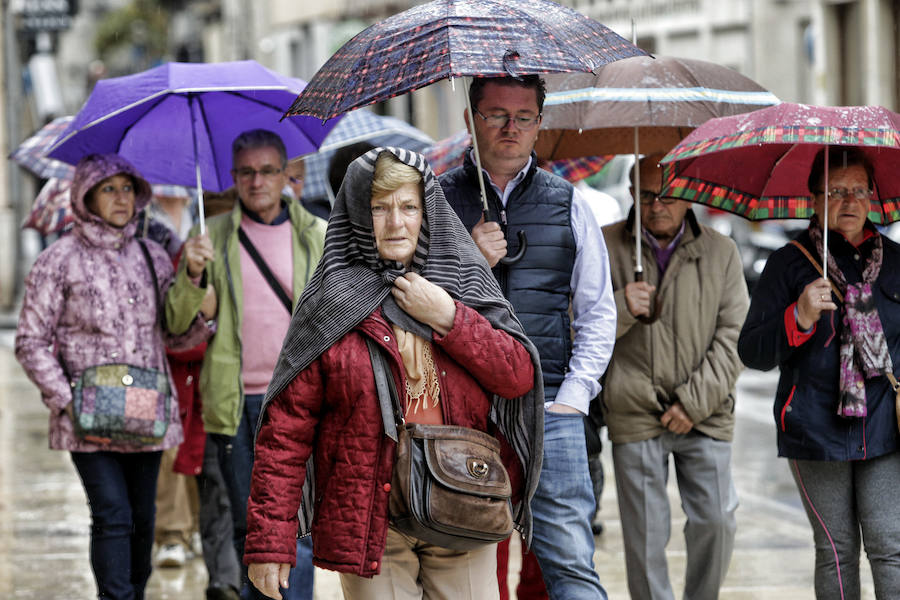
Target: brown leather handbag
{"points": [[449, 487]]}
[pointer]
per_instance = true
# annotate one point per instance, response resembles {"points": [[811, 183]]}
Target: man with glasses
{"points": [[669, 389], [565, 265], [258, 257]]}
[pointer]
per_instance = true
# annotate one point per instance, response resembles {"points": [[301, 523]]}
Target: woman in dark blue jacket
{"points": [[837, 343]]}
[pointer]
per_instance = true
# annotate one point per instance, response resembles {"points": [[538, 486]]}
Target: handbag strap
{"points": [[150, 266], [265, 270], [159, 303], [818, 267], [388, 400]]}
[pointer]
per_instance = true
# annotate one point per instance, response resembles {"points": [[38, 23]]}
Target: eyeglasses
{"points": [[858, 193], [248, 174], [500, 120], [648, 198]]}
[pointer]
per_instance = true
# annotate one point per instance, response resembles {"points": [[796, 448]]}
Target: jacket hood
{"points": [[93, 169]]}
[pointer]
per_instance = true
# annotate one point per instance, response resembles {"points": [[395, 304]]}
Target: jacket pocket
{"points": [[786, 408]]}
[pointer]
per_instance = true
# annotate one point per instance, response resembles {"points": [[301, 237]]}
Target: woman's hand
{"points": [[70, 410], [198, 251], [268, 577], [815, 298], [425, 302]]}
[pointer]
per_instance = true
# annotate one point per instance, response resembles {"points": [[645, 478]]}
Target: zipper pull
{"points": [[503, 216]]}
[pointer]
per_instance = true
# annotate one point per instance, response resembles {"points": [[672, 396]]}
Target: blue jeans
{"points": [[563, 507], [236, 459], [121, 493]]}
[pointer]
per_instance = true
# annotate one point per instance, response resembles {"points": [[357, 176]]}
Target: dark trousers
{"points": [[216, 524], [236, 460], [121, 493]]}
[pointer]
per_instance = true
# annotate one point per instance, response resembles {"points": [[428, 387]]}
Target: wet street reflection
{"points": [[44, 522]]}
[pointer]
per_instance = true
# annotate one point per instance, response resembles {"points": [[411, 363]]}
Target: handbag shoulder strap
{"points": [[159, 303], [818, 267], [265, 270], [388, 400], [150, 266]]}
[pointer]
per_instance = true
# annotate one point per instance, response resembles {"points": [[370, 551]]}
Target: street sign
{"points": [[45, 15]]}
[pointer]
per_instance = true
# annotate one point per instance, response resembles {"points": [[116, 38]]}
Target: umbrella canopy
{"points": [[32, 153], [52, 209], [457, 38], [358, 126], [664, 97], [756, 165], [172, 119], [450, 152]]}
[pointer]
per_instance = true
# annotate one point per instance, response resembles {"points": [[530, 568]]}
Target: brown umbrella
{"points": [[640, 104], [664, 97]]}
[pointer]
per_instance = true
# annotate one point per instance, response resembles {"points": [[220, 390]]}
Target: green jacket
{"points": [[221, 386]]}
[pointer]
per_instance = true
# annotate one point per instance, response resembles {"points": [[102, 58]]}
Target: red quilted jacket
{"points": [[331, 411]]}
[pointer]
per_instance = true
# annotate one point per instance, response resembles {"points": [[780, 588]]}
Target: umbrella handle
{"points": [[523, 246], [654, 312]]}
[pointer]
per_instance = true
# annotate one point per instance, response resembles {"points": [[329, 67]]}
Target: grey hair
{"points": [[258, 138]]}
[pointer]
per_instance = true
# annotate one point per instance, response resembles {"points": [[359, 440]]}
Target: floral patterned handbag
{"points": [[121, 402]]}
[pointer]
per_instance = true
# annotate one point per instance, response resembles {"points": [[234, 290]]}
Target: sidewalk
{"points": [[44, 522]]}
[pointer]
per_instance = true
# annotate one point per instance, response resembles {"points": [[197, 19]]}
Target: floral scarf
{"points": [[863, 351]]}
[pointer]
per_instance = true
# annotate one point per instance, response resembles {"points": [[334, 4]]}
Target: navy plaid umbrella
{"points": [[32, 153], [457, 38]]}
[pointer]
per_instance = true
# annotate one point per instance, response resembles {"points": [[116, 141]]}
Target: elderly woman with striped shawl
{"points": [[399, 269]]}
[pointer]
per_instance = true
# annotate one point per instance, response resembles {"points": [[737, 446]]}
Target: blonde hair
{"points": [[391, 174]]}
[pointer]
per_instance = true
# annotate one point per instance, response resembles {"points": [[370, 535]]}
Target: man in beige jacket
{"points": [[669, 389]]}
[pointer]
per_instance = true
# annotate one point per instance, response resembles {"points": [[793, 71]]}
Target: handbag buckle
{"points": [[127, 379], [477, 468]]}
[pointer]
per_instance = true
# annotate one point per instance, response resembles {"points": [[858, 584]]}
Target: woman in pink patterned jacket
{"points": [[90, 300]]}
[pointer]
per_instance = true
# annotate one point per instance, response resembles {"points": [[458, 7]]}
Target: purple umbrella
{"points": [[176, 122]]}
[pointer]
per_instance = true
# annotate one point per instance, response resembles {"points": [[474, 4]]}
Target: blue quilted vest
{"points": [[539, 285]]}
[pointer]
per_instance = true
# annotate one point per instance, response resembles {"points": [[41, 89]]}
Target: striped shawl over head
{"points": [[351, 281]]}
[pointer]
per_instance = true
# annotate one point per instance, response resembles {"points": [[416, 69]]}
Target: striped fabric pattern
{"points": [[446, 256]]}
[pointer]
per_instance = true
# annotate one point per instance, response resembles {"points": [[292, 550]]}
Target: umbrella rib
{"points": [[208, 132]]}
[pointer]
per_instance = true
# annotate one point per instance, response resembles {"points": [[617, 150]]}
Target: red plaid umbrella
{"points": [[456, 38], [756, 165], [52, 209]]}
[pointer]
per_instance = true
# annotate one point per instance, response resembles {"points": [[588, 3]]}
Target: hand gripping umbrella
{"points": [[756, 165], [642, 104], [458, 38], [176, 122]]}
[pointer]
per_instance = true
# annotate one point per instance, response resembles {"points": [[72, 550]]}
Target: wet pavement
{"points": [[44, 521]]}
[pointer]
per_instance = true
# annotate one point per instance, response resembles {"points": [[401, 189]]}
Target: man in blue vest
{"points": [[565, 267]]}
